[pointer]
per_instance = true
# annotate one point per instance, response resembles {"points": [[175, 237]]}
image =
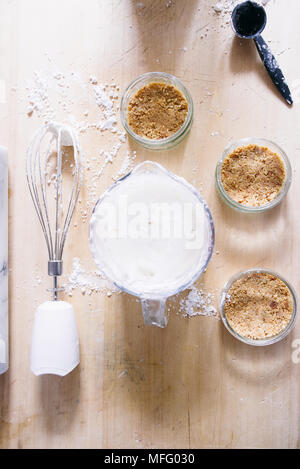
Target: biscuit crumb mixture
{"points": [[157, 111], [258, 306], [253, 175]]}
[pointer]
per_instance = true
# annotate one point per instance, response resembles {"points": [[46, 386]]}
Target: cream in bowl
{"points": [[152, 234]]}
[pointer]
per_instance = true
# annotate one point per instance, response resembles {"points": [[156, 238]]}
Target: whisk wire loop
{"points": [[37, 174]]}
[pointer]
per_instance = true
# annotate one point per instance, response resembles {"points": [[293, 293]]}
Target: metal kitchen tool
{"points": [[248, 21], [52, 151]]}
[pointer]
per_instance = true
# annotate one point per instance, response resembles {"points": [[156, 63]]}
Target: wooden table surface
{"points": [[191, 385]]}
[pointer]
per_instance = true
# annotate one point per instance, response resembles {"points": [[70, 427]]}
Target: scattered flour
{"points": [[88, 106], [197, 303], [218, 7], [88, 282], [57, 96], [225, 7], [93, 80], [38, 97], [127, 165]]}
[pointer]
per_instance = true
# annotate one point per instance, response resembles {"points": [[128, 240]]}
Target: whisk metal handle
{"points": [[55, 268]]}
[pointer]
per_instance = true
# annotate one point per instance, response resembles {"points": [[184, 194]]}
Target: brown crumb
{"points": [[258, 306], [253, 175], [157, 111]]}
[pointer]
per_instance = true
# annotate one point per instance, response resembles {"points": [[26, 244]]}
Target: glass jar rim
{"points": [[282, 193], [172, 139], [257, 342]]}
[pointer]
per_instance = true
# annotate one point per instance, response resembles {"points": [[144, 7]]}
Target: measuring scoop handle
{"points": [[273, 68]]}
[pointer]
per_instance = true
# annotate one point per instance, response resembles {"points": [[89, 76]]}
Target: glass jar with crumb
{"points": [[157, 110], [253, 175], [258, 307]]}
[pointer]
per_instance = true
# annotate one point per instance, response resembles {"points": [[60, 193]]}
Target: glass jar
{"points": [[134, 87], [246, 340], [260, 142]]}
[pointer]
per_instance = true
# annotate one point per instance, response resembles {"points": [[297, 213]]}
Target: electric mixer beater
{"points": [[55, 345]]}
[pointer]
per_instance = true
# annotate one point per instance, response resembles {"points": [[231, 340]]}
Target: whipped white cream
{"points": [[151, 233]]}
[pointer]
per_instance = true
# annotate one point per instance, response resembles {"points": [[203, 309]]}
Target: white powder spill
{"points": [[218, 7], [88, 282], [104, 97], [59, 95], [91, 108], [127, 165], [169, 3], [224, 8], [38, 98], [196, 302]]}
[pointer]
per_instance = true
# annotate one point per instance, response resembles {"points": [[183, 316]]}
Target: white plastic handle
{"points": [[55, 344]]}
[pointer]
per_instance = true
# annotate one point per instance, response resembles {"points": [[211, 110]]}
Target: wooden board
{"points": [[191, 385]]}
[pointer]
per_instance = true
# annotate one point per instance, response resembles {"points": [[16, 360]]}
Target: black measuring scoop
{"points": [[248, 20]]}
